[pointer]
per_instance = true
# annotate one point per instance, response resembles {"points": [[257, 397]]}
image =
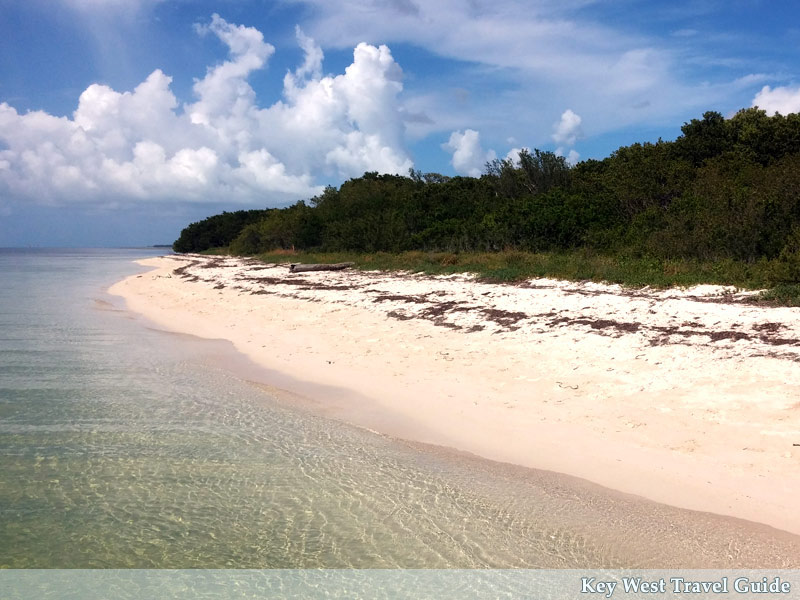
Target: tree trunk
{"points": [[297, 268]]}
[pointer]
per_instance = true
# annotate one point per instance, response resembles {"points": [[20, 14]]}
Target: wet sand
{"points": [[687, 398]]}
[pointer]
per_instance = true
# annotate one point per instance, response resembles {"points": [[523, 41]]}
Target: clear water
{"points": [[120, 446]]}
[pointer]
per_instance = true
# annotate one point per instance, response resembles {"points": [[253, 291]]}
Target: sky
{"points": [[121, 121]]}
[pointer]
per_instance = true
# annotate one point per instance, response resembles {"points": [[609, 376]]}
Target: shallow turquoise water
{"points": [[120, 446]]}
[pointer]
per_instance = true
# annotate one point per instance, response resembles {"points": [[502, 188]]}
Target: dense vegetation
{"points": [[217, 231], [726, 191]]}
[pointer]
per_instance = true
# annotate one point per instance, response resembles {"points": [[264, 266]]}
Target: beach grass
{"points": [[575, 265]]}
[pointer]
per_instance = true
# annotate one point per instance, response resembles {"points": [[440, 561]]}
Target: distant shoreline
{"points": [[650, 393]]}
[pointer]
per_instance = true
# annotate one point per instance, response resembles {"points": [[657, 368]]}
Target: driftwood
{"points": [[297, 268]]}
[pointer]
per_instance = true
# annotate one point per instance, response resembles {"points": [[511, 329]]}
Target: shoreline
{"points": [[647, 393]]}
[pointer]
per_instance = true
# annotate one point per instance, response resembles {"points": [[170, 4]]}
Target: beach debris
{"points": [[300, 268]]}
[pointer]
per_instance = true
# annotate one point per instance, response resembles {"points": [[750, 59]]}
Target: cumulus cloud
{"points": [[572, 156], [568, 129], [783, 100], [566, 132], [513, 155], [469, 158], [145, 145]]}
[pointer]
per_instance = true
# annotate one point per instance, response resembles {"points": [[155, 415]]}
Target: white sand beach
{"points": [[686, 397]]}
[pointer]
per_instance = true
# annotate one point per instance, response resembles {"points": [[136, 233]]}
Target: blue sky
{"points": [[123, 120]]}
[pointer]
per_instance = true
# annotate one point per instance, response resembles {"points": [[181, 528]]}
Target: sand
{"points": [[685, 397]]}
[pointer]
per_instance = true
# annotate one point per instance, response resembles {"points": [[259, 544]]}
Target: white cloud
{"points": [[347, 123], [536, 57], [783, 100], [312, 65], [513, 155], [568, 129], [566, 132], [469, 158], [746, 81], [572, 156], [224, 92], [144, 145]]}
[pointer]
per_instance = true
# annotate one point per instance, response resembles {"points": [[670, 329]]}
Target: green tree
{"points": [[216, 231], [703, 138]]}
